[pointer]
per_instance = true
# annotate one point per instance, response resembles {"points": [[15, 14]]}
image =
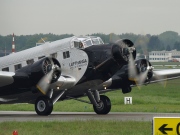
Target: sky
{"points": [[81, 17]]}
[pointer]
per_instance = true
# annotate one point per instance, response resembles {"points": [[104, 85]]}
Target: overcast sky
{"points": [[81, 17]]}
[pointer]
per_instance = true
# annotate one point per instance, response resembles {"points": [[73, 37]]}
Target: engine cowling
{"points": [[142, 66], [44, 71], [123, 49], [122, 78], [41, 68]]}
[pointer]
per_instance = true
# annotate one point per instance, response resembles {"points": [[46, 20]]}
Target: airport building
{"points": [[164, 56]]}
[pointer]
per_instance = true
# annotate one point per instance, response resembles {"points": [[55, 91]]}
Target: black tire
{"points": [[43, 105], [105, 106]]}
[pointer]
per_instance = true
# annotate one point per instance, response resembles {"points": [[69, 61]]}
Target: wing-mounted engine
{"points": [[135, 73], [141, 72], [42, 68], [40, 75], [144, 65]]}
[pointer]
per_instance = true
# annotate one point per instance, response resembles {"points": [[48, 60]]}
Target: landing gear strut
{"points": [[43, 105], [101, 103], [104, 106]]}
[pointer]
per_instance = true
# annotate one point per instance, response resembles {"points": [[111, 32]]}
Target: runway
{"points": [[71, 116]]}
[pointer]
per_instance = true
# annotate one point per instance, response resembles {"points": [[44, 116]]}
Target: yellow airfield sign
{"points": [[166, 126]]}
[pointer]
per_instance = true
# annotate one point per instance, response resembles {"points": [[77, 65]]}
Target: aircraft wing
{"points": [[120, 80], [162, 75], [6, 78], [40, 75]]}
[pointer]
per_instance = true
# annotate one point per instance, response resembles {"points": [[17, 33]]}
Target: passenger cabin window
{"points": [[18, 66], [5, 69], [41, 57], [29, 62], [54, 55], [66, 54]]}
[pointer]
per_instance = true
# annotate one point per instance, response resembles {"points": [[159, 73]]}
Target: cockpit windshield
{"points": [[100, 40], [90, 40], [95, 41], [85, 41]]}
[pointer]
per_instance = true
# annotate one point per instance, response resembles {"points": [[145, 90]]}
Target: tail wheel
{"points": [[43, 105], [104, 105]]}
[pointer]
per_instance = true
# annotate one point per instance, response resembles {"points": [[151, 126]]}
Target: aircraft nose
{"points": [[121, 51], [121, 55]]}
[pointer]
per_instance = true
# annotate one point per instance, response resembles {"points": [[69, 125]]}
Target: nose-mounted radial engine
{"points": [[105, 60], [127, 48]]}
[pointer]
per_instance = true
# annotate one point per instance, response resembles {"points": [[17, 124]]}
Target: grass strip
{"points": [[77, 128], [150, 98]]}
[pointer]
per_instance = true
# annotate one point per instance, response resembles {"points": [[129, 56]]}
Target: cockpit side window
{"points": [[100, 40], [78, 44]]}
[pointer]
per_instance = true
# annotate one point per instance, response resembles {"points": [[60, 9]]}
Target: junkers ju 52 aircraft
{"points": [[72, 68]]}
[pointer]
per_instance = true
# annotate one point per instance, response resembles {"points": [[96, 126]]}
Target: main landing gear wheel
{"points": [[104, 105], [43, 105]]}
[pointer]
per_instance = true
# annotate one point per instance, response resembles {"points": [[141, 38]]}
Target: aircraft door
{"points": [[66, 59]]}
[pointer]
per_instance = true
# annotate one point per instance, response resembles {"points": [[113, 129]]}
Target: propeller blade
{"points": [[143, 67], [132, 69], [132, 73], [43, 84], [144, 72], [142, 77], [52, 72]]}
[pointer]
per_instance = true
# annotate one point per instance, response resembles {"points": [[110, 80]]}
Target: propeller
{"points": [[52, 72], [139, 71], [127, 48]]}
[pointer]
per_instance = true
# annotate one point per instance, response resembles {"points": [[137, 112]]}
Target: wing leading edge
{"points": [[6, 78], [163, 75]]}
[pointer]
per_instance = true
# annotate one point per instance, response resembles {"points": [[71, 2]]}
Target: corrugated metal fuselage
{"points": [[77, 70], [72, 67]]}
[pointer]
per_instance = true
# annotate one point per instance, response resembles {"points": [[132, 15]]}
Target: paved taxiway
{"points": [[70, 116]]}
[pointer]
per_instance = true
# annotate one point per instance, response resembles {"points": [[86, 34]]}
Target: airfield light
{"points": [[15, 132]]}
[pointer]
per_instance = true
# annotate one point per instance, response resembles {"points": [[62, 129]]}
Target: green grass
{"points": [[165, 63], [77, 128], [150, 98]]}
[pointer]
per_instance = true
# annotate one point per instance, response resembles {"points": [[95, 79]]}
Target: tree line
{"points": [[168, 40]]}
